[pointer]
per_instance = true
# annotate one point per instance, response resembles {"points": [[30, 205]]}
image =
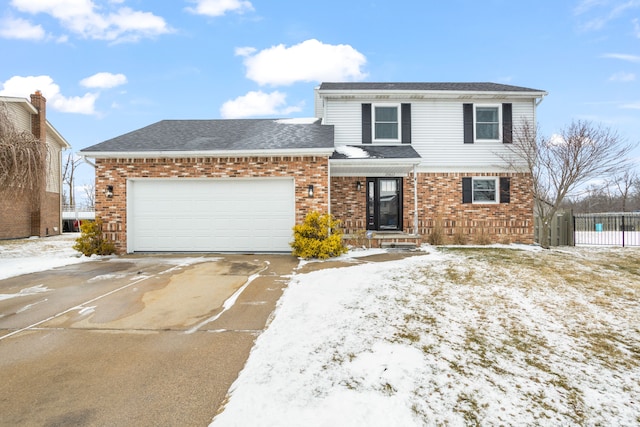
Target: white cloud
{"points": [[24, 86], [622, 77], [308, 61], [245, 51], [104, 80], [604, 11], [258, 103], [18, 28], [220, 7], [81, 17], [632, 106], [622, 56]]}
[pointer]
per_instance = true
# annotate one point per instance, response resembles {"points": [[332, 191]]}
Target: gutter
{"points": [[210, 153]]}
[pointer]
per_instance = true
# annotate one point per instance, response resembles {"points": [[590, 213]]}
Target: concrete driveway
{"points": [[135, 340]]}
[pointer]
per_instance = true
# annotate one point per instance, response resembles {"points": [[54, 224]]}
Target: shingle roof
{"points": [[220, 135], [436, 86], [370, 151]]}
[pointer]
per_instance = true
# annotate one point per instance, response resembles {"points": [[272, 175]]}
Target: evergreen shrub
{"points": [[319, 236], [91, 241]]}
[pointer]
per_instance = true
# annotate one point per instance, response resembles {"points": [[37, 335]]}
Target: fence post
{"points": [[623, 230]]}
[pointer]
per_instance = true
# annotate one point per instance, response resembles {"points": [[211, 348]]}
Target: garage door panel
{"points": [[244, 215]]}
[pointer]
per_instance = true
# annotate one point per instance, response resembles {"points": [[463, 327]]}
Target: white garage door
{"points": [[212, 215]]}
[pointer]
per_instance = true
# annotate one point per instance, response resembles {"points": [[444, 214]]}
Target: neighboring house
{"points": [[397, 159], [18, 217]]}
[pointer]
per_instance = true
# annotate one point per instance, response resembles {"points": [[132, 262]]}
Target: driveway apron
{"points": [[135, 340]]}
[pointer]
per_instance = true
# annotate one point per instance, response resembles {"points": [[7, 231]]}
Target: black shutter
{"points": [[366, 123], [507, 124], [505, 190], [467, 195], [467, 110], [406, 123]]}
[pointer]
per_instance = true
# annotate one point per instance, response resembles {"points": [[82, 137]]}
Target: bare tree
{"points": [[68, 176], [561, 164], [623, 182], [90, 194], [23, 160]]}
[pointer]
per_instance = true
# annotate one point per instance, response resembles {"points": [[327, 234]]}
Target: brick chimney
{"points": [[39, 121]]}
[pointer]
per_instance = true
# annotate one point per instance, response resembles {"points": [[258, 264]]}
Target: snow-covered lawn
{"points": [[23, 256], [457, 336]]}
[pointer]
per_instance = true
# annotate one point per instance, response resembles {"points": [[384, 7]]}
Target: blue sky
{"points": [[111, 66]]}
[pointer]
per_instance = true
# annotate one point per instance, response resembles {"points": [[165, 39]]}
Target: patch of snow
{"points": [[24, 256], [448, 338], [298, 121], [25, 292], [352, 152], [86, 310]]}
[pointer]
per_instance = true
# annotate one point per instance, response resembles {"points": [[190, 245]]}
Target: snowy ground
{"points": [[23, 256], [458, 336]]}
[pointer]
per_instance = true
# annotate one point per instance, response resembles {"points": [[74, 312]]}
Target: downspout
{"points": [[415, 201], [93, 165], [329, 186]]}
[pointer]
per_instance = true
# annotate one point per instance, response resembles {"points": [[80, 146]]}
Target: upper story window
{"points": [[386, 121], [487, 123]]}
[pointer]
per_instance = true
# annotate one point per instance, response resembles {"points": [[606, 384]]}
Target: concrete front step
{"points": [[385, 240]]}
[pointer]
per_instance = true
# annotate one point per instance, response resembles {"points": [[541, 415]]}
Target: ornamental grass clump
{"points": [[91, 240], [319, 236]]}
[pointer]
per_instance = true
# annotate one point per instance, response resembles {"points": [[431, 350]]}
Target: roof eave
{"points": [[25, 102], [428, 94], [64, 143], [160, 154], [381, 162]]}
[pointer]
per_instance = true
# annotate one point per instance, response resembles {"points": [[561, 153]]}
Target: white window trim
{"points": [[373, 123], [497, 190], [475, 123]]}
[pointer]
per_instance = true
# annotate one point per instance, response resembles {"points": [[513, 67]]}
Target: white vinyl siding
{"points": [[437, 132], [20, 117]]}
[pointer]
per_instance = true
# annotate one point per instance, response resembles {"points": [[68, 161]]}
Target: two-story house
{"points": [[396, 159], [22, 215]]}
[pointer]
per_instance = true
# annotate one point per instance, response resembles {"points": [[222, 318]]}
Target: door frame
{"points": [[373, 204]]}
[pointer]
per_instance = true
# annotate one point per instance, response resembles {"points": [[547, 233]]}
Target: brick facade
{"points": [[440, 206], [115, 172], [19, 220]]}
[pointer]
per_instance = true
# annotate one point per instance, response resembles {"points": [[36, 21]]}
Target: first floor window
{"points": [[484, 190]]}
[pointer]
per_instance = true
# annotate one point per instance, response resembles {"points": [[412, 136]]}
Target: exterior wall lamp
{"points": [[358, 186], [310, 190], [109, 191]]}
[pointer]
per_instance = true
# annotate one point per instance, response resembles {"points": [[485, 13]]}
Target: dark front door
{"points": [[384, 204]]}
